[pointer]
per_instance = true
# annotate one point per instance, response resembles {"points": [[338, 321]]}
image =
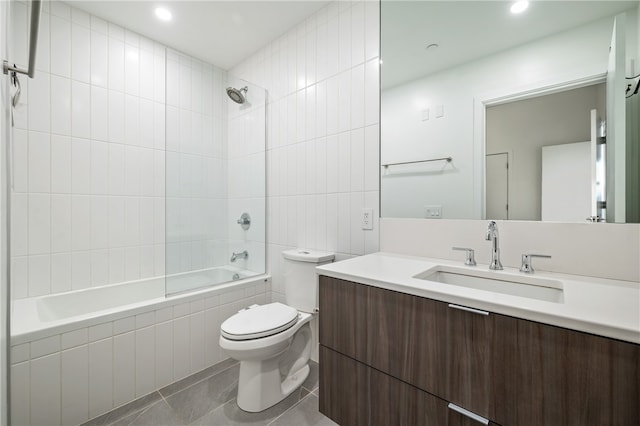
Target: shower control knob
{"points": [[244, 221]]}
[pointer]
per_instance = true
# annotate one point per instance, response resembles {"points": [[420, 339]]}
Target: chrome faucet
{"points": [[239, 255], [492, 235]]}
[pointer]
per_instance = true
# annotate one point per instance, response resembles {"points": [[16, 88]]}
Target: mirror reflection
{"points": [[486, 114]]}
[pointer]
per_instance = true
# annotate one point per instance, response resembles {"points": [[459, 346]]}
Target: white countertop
{"points": [[599, 306]]}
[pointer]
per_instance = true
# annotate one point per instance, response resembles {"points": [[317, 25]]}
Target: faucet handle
{"points": [[527, 266], [469, 258]]}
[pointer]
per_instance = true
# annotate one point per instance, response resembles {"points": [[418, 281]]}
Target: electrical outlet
{"points": [[433, 212], [367, 219]]}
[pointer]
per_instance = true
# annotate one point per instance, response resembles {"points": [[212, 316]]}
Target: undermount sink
{"points": [[523, 286]]}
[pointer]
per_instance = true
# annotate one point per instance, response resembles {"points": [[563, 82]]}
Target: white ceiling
{"points": [[222, 33], [468, 30]]}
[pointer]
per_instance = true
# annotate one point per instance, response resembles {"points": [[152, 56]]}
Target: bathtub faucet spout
{"points": [[239, 255]]}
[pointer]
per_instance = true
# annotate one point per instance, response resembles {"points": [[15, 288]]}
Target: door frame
{"points": [[503, 96]]}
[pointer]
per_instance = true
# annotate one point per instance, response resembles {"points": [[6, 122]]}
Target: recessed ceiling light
{"points": [[432, 46], [519, 6], [163, 14]]}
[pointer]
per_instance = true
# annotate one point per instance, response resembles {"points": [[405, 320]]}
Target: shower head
{"points": [[236, 95]]}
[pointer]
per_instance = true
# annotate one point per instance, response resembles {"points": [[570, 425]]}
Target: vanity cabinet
{"points": [[392, 358]]}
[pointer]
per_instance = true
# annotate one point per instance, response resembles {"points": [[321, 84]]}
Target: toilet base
{"points": [[260, 385]]}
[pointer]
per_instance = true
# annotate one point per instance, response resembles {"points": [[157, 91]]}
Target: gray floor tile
{"points": [[159, 414], [230, 414], [196, 377], [304, 413], [125, 411], [200, 398]]}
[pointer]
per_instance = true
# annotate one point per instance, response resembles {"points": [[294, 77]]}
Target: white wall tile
{"points": [[372, 92], [357, 97], [124, 368], [181, 345], [80, 110], [80, 166], [39, 162], [45, 346], [39, 96], [19, 277], [20, 160], [197, 348], [116, 116], [81, 222], [20, 391], [99, 59], [43, 54], [99, 113], [39, 275], [145, 360], [60, 164], [116, 64], [131, 69], [357, 33], [344, 20], [74, 386], [80, 270], [164, 353], [60, 272], [99, 268], [20, 353], [39, 223], [75, 338], [99, 167], [60, 105], [60, 46], [45, 390], [61, 223], [372, 29], [100, 377]]}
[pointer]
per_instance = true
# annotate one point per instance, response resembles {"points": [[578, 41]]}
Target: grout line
{"points": [[289, 409]]}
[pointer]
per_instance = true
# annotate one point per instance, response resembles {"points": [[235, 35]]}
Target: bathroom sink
{"points": [[523, 286]]}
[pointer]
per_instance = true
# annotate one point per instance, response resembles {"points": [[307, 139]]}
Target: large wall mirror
{"points": [[490, 114]]}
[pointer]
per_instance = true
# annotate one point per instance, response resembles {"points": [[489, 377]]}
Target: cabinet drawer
{"points": [[362, 395]]}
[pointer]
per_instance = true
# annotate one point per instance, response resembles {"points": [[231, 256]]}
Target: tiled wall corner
{"points": [[322, 132]]}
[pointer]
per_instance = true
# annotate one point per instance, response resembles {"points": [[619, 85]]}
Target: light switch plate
{"points": [[433, 212]]}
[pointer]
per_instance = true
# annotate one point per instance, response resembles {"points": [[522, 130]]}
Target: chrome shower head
{"points": [[237, 96]]}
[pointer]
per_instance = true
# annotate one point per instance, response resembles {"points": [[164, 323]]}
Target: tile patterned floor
{"points": [[208, 398]]}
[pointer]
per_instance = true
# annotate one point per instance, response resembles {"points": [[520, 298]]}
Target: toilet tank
{"points": [[300, 279]]}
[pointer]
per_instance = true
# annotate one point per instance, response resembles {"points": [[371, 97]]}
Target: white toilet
{"points": [[273, 342]]}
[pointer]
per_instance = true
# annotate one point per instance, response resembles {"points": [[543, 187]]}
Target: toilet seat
{"points": [[259, 321]]}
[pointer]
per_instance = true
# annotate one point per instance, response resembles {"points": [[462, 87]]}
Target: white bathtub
{"points": [[37, 317], [77, 355]]}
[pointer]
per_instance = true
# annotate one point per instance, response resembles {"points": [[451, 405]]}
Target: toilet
{"points": [[273, 342]]}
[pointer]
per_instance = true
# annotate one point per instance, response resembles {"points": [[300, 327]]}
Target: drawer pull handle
{"points": [[469, 414], [464, 308]]}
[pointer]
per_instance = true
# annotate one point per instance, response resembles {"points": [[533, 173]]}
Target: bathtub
{"points": [[37, 317], [77, 355]]}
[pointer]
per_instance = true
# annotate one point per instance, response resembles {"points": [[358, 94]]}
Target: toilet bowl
{"points": [[271, 366], [273, 342]]}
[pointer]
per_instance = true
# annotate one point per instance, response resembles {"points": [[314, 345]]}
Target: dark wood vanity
{"points": [[390, 358]]}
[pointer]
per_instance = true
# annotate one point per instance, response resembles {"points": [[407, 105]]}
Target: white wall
{"points": [[322, 124], [576, 53], [88, 155]]}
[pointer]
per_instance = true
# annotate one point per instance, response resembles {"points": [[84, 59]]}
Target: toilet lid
{"points": [[260, 321]]}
